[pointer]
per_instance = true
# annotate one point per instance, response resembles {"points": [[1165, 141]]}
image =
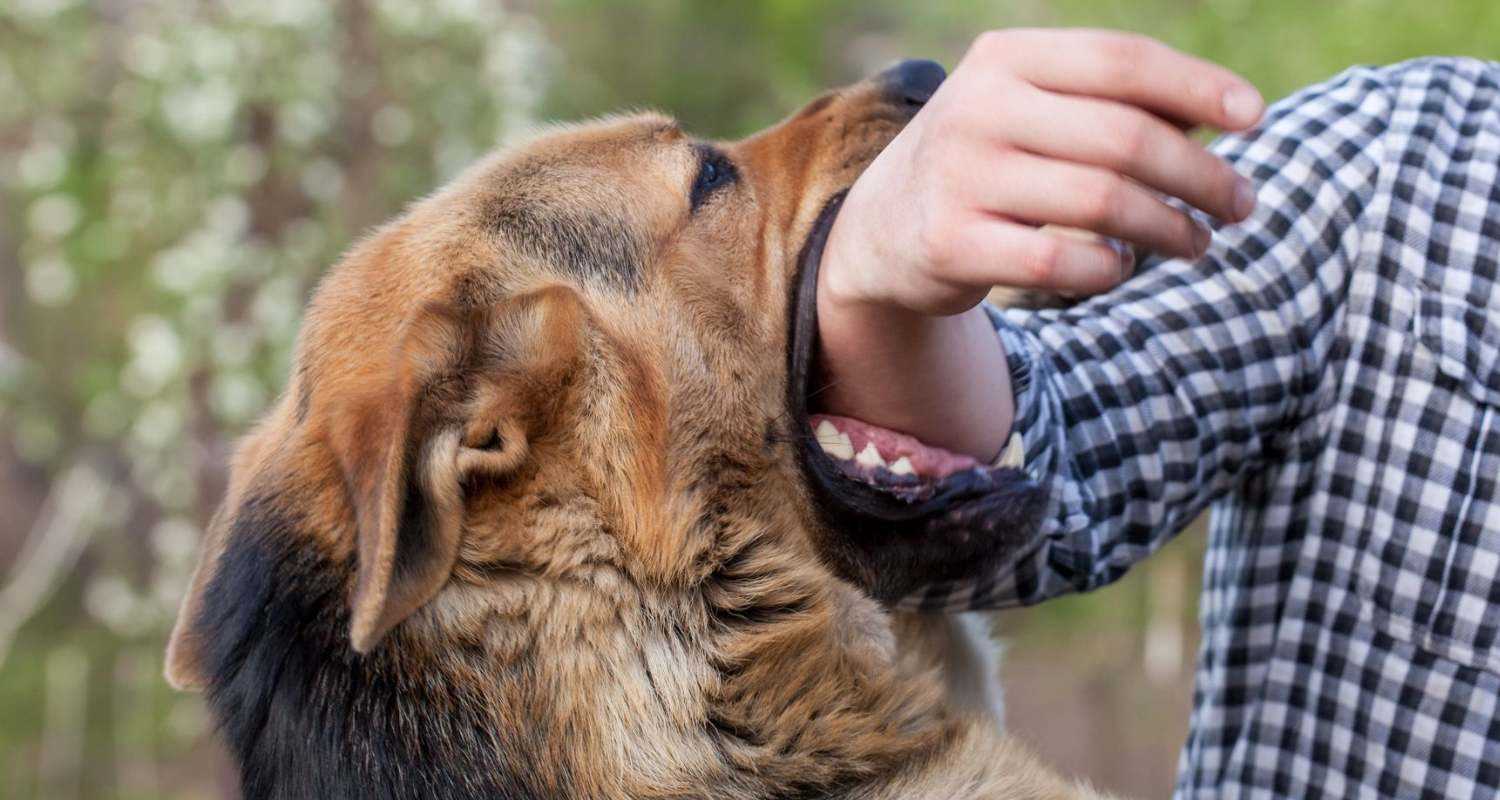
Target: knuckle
{"points": [[1042, 257], [1133, 140], [990, 43], [1005, 160], [926, 145], [1129, 48], [1007, 45], [1123, 55], [936, 238], [1104, 202]]}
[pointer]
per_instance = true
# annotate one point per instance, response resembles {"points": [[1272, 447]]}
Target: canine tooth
{"points": [[834, 442], [1014, 454], [869, 457], [901, 466]]}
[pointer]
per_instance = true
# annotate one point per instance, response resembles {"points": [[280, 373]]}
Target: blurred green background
{"points": [[174, 176]]}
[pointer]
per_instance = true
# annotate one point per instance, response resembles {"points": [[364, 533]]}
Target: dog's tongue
{"points": [[871, 446]]}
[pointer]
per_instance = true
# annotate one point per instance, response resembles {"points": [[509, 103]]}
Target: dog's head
{"points": [[580, 354]]}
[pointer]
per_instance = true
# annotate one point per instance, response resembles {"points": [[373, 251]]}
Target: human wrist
{"points": [[941, 378]]}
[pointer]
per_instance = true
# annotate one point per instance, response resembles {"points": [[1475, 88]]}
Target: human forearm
{"points": [[1142, 406]]}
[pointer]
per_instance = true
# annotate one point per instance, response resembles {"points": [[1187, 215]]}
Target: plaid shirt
{"points": [[1328, 378]]}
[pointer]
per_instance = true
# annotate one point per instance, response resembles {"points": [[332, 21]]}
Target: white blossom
{"points": [[51, 281], [201, 112], [156, 356], [53, 216], [42, 164]]}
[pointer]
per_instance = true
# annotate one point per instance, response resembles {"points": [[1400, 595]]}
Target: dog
{"points": [[543, 511]]}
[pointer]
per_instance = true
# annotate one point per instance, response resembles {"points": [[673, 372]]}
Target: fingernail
{"points": [[1201, 237], [1244, 198], [1127, 261], [1243, 106]]}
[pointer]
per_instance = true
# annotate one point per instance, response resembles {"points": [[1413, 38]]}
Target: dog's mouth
{"points": [[905, 513]]}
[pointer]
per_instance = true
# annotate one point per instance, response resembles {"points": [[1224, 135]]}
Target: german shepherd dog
{"points": [[543, 512]]}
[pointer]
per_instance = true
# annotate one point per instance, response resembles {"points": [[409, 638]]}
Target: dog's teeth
{"points": [[843, 449], [826, 434], [1014, 454], [901, 466], [869, 457], [834, 442]]}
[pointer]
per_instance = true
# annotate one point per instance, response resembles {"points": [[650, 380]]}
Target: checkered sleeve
{"points": [[1139, 407]]}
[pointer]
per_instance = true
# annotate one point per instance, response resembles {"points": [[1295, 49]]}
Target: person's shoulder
{"points": [[1382, 112], [1416, 80]]}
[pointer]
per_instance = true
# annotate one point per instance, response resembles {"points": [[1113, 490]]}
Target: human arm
{"points": [[1141, 406], [1034, 127]]}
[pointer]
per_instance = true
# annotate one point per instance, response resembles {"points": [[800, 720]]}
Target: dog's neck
{"points": [[306, 716], [486, 692]]}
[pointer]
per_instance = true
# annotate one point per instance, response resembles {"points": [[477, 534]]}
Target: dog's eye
{"points": [[710, 175], [715, 171]]}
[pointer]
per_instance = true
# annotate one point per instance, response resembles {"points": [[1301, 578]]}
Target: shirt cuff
{"points": [[1065, 531], [1033, 418]]}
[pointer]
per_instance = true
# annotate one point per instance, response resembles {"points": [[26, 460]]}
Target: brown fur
{"points": [[536, 440]]}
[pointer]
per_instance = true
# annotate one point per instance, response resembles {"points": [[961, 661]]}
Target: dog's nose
{"points": [[913, 81]]}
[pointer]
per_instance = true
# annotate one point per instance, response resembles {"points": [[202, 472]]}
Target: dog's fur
{"points": [[527, 522]]}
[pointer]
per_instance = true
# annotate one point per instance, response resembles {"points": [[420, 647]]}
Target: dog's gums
{"points": [[896, 531], [895, 461]]}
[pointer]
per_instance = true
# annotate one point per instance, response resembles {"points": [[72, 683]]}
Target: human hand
{"points": [[1075, 128]]}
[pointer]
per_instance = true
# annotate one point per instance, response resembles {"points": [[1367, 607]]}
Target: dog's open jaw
{"points": [[900, 464], [889, 495]]}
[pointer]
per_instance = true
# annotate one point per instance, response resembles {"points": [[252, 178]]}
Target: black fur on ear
{"points": [[271, 649]]}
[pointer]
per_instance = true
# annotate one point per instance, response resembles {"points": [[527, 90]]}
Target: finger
{"points": [[1090, 198], [1129, 141], [1121, 248], [998, 252], [1133, 69]]}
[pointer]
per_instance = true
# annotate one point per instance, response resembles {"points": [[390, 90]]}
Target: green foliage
{"points": [[726, 69], [1282, 45]]}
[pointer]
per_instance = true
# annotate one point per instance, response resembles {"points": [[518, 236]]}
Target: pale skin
{"points": [[1075, 128]]}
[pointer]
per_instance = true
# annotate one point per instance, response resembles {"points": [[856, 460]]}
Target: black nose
{"points": [[914, 80]]}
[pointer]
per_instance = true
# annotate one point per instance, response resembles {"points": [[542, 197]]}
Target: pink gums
{"points": [[926, 461]]}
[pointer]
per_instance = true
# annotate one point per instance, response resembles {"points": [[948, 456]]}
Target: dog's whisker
{"points": [[825, 387]]}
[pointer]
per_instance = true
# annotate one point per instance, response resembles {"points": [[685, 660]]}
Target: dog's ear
{"points": [[186, 667], [460, 399], [400, 462], [466, 395]]}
